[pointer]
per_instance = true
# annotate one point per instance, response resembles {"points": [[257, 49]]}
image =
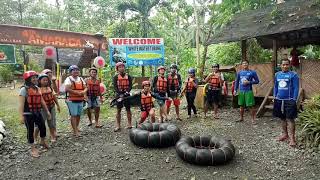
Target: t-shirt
{"points": [[23, 92], [286, 85], [68, 80], [248, 75]]}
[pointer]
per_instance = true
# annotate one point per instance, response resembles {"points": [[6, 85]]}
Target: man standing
{"points": [[76, 93], [285, 92], [122, 83], [245, 79], [93, 93], [160, 86], [213, 97], [174, 87]]}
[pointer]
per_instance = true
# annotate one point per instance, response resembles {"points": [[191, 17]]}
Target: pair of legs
{"points": [[75, 110], [30, 121], [190, 101], [51, 124], [145, 114], [96, 116], [253, 114], [287, 111], [75, 121], [163, 113], [176, 103], [213, 100], [118, 119]]}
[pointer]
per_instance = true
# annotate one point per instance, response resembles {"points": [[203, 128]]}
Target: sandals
{"points": [[282, 138], [239, 120], [99, 126], [117, 129], [35, 154], [129, 127], [179, 119], [90, 124]]}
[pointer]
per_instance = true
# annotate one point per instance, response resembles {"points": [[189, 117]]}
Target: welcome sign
{"points": [[7, 54], [136, 51]]}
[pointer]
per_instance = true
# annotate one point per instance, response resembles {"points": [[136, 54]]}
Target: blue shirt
{"points": [[248, 75], [286, 85]]}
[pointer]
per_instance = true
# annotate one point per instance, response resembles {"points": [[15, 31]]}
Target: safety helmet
{"points": [[46, 71], [29, 74], [215, 65], [191, 70], [161, 67], [73, 67], [173, 66], [144, 83], [42, 76], [119, 64], [93, 68]]}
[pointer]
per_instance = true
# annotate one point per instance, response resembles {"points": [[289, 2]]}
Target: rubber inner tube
{"points": [[205, 150], [155, 135]]}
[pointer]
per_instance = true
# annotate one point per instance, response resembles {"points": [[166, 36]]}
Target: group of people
{"points": [[38, 101]]}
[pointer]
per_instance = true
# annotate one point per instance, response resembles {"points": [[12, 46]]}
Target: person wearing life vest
{"points": [[94, 96], [160, 86], [174, 88], [190, 89], [285, 92], [52, 79], [50, 98], [122, 83], [146, 102], [31, 104], [76, 90], [245, 79], [213, 97]]}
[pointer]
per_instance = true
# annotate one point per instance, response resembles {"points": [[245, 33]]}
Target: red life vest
{"points": [[162, 84], [190, 86], [76, 86], [173, 81], [93, 87], [214, 82], [47, 95], [146, 101], [123, 83], [33, 100]]}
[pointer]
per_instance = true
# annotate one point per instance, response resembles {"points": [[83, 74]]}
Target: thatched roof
{"points": [[295, 22]]}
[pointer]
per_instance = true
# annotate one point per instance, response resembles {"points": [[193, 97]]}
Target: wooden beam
{"points": [[243, 50], [274, 56]]}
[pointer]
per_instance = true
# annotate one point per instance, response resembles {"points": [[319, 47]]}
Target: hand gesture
{"points": [[58, 109], [49, 116]]}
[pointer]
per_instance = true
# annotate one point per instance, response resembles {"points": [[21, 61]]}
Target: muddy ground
{"points": [[103, 154]]}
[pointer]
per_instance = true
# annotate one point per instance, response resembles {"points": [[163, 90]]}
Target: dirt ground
{"points": [[103, 154]]}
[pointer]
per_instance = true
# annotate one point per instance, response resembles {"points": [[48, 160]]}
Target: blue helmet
{"points": [[73, 67], [191, 70]]}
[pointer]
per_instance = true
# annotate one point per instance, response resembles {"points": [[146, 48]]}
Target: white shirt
{"points": [[68, 80]]}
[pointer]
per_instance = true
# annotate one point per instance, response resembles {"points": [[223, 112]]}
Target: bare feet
{"points": [[292, 143], [282, 137], [35, 153], [117, 129], [239, 120]]}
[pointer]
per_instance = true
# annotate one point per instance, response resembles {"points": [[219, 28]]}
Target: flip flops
{"points": [[99, 126], [116, 129]]}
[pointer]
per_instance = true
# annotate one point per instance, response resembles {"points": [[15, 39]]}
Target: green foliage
{"points": [[309, 122], [6, 73]]}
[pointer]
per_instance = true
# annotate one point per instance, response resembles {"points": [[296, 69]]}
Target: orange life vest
{"points": [[33, 100], [173, 81], [76, 86], [146, 101], [162, 84], [214, 82], [190, 86], [123, 83], [47, 95], [93, 87]]}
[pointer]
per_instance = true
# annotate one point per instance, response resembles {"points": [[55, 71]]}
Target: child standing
{"points": [[31, 104], [49, 96]]}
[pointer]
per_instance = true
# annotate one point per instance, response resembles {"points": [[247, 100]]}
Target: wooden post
{"points": [[243, 50], [274, 57]]}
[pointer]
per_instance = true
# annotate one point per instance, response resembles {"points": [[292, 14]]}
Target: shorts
{"points": [[285, 109], [246, 99], [75, 108], [161, 102], [124, 103], [51, 123], [176, 102], [93, 102], [213, 97]]}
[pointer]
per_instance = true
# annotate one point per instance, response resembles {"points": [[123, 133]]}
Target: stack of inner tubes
{"points": [[155, 135], [205, 150]]}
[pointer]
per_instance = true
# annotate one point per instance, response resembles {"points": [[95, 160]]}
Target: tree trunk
{"points": [[197, 32], [145, 35]]}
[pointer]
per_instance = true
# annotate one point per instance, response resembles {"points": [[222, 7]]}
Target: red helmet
{"points": [[119, 64], [45, 71], [29, 74], [161, 67], [144, 83]]}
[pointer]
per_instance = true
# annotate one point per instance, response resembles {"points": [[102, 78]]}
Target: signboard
{"points": [[136, 51], [10, 34], [7, 54]]}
